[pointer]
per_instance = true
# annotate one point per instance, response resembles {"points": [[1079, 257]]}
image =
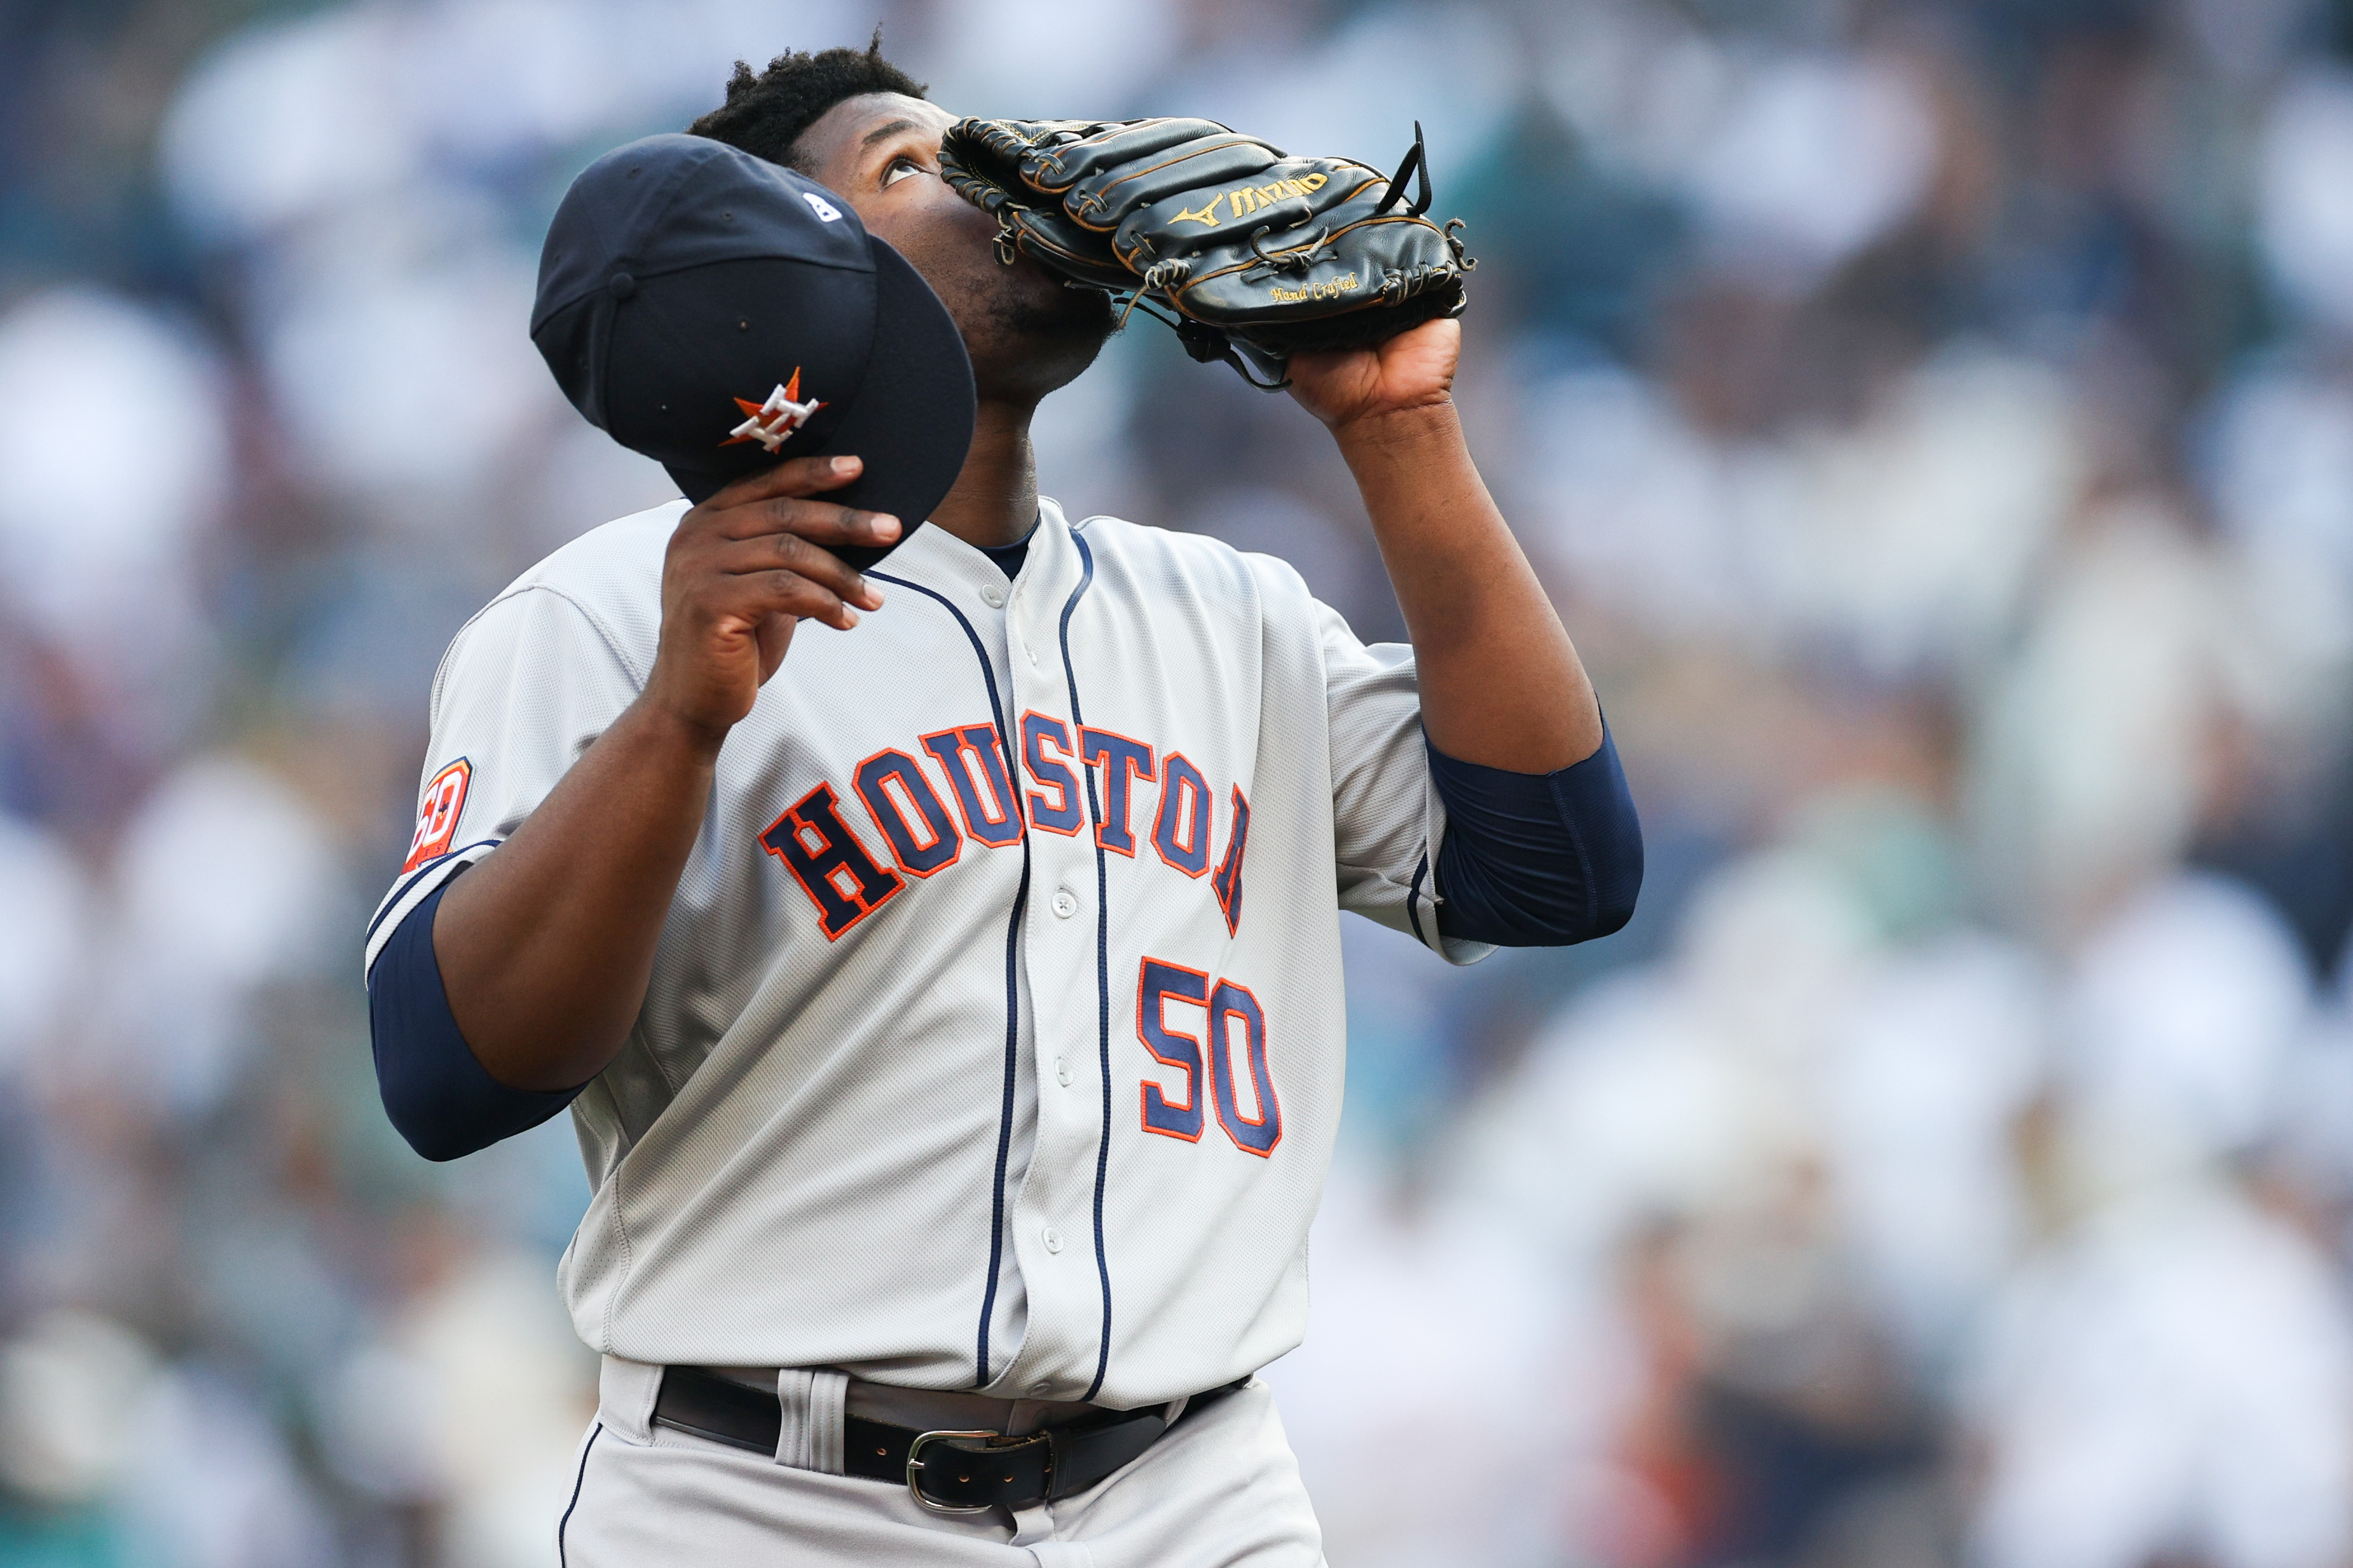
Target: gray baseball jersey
{"points": [[996, 1036]]}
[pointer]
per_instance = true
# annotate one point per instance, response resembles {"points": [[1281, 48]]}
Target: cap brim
{"points": [[912, 420]]}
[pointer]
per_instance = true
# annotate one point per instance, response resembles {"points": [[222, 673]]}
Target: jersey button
{"points": [[1066, 903], [992, 598], [1062, 1071], [1053, 1239]]}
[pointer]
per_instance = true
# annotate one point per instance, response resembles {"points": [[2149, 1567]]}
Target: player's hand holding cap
{"points": [[719, 314]]}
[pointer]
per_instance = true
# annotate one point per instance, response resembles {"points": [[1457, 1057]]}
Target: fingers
{"points": [[791, 553], [773, 503], [754, 552], [750, 598], [798, 477], [746, 566], [824, 521]]}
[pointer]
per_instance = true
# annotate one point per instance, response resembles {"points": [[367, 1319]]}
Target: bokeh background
{"points": [[1934, 421]]}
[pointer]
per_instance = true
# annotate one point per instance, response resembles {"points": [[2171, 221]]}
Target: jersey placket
{"points": [[1051, 1216]]}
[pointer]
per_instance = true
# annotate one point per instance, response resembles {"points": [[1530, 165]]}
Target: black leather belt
{"points": [[948, 1472]]}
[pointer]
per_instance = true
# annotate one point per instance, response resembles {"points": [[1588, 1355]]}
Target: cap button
{"points": [[621, 285]]}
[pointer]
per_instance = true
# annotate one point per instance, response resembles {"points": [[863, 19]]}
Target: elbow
{"points": [[1608, 920], [1559, 926], [1595, 882], [441, 1101], [1616, 882], [416, 1080], [1537, 860], [1598, 815], [436, 1095], [1539, 910], [428, 1128]]}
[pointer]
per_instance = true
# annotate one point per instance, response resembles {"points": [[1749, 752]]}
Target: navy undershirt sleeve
{"points": [[1536, 860], [437, 1094]]}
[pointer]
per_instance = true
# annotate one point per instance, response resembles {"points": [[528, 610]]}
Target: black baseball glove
{"points": [[1255, 256]]}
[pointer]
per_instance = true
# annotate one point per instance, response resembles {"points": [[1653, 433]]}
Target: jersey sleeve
{"points": [[526, 687], [1388, 821]]}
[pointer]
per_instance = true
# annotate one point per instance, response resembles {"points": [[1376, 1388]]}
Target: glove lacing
{"points": [[1398, 286]]}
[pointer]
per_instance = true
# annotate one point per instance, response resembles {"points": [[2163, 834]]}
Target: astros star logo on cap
{"points": [[772, 423]]}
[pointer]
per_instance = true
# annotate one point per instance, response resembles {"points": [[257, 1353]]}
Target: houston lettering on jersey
{"points": [[919, 1103], [1143, 797]]}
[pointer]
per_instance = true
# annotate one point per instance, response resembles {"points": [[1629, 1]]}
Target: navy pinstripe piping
{"points": [[1012, 981], [422, 872], [1413, 898], [1103, 960], [565, 1523]]}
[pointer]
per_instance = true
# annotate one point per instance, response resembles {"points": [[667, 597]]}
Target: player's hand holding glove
{"points": [[1255, 256]]}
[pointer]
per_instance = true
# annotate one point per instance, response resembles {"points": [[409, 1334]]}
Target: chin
{"points": [[1060, 313], [1038, 335]]}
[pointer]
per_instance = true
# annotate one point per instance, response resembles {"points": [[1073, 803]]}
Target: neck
{"points": [[994, 499]]}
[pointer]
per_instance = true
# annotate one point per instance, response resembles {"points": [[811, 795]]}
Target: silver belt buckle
{"points": [[992, 1442]]}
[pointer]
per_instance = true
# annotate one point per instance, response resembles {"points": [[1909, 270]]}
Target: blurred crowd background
{"points": [[1935, 420]]}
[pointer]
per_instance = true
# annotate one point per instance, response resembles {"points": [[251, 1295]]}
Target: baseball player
{"points": [[947, 994]]}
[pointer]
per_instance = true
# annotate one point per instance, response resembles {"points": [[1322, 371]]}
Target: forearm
{"points": [[1501, 683], [546, 946]]}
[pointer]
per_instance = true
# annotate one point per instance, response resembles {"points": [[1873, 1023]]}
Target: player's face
{"points": [[1025, 332]]}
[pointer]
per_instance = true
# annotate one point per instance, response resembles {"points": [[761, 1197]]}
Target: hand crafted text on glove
{"points": [[1256, 255]]}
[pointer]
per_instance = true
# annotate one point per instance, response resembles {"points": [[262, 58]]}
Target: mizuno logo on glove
{"points": [[1247, 199]]}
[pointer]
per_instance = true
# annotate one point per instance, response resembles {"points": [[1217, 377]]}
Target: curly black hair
{"points": [[765, 114]]}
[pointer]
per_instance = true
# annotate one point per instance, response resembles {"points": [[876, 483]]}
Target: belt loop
{"points": [[828, 1400], [811, 1404], [626, 1391]]}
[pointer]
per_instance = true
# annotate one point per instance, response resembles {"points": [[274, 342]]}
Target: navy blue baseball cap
{"points": [[720, 313]]}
